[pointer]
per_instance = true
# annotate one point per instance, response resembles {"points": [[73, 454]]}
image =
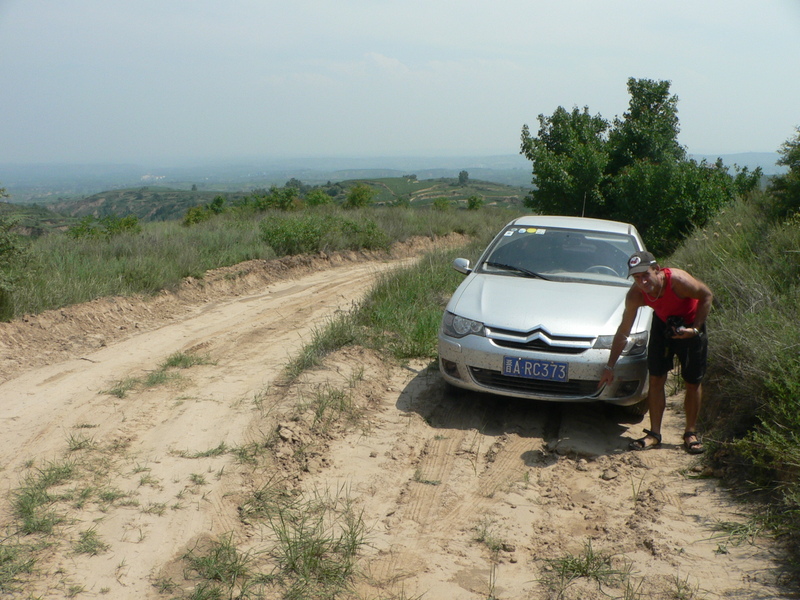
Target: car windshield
{"points": [[561, 255]]}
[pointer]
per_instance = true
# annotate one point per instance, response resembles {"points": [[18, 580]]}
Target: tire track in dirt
{"points": [[142, 443]]}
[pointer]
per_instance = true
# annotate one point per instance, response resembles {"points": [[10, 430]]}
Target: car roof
{"points": [[574, 223]]}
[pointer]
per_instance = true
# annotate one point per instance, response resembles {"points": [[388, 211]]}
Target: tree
{"points": [[569, 158], [463, 178], [634, 170], [786, 188], [317, 197], [474, 202], [649, 130], [359, 196], [12, 253]]}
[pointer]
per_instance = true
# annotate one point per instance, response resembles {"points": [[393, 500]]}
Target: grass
{"points": [[161, 376], [89, 542], [61, 270], [32, 502], [317, 541], [400, 316], [752, 264], [590, 564]]}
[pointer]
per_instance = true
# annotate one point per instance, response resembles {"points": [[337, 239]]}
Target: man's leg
{"points": [[691, 404], [657, 401]]}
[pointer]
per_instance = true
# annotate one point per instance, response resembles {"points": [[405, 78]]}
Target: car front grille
{"points": [[496, 380], [539, 340], [540, 345]]}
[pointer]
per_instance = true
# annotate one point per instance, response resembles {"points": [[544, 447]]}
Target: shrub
{"points": [[359, 196], [312, 232], [107, 227]]}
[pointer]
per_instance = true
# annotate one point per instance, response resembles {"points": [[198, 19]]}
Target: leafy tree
{"points": [[12, 252], [633, 170], [285, 198], [359, 196], [441, 204], [649, 130], [318, 197], [217, 205], [195, 215], [474, 202], [569, 158], [786, 188], [463, 178]]}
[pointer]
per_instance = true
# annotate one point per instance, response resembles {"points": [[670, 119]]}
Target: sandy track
{"points": [[434, 473]]}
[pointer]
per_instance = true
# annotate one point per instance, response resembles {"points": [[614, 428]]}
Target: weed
{"points": [[79, 442], [183, 360], [485, 534], [32, 502], [420, 479], [590, 564], [15, 560], [219, 450], [684, 590], [155, 508], [221, 567], [90, 543], [317, 541], [121, 388]]}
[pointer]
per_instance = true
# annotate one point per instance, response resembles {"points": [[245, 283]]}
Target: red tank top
{"points": [[669, 304]]}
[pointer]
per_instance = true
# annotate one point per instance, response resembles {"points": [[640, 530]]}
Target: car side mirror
{"points": [[462, 266]]}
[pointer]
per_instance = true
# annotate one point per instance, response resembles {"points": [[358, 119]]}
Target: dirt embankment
{"points": [[464, 496]]}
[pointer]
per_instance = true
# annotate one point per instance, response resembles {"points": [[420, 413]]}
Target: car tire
{"points": [[639, 409]]}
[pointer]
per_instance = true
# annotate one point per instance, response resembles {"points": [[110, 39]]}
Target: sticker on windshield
{"points": [[540, 231], [530, 230], [508, 233]]}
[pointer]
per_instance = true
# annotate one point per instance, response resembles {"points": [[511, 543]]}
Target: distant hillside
{"points": [[147, 203], [35, 220], [165, 204], [46, 183], [423, 192]]}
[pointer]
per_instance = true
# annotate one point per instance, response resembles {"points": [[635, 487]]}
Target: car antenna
{"points": [[583, 210]]}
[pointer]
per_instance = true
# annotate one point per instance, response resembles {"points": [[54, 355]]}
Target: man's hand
{"points": [[606, 378], [684, 333]]}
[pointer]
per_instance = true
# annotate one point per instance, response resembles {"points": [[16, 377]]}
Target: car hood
{"points": [[523, 304]]}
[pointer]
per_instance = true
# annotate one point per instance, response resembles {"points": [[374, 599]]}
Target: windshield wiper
{"points": [[522, 270]]}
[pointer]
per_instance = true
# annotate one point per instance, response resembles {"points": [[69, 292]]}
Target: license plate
{"points": [[547, 370]]}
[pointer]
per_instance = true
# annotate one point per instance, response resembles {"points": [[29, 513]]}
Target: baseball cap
{"points": [[640, 261]]}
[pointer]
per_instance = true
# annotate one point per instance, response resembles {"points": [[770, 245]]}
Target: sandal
{"points": [[641, 443], [695, 446]]}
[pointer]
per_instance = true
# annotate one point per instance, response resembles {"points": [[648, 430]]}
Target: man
{"points": [[681, 304]]}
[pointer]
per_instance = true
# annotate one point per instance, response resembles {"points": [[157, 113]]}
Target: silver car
{"points": [[536, 316]]}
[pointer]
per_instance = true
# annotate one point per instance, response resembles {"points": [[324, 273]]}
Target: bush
{"points": [[313, 232], [359, 196], [753, 382], [11, 255], [107, 227]]}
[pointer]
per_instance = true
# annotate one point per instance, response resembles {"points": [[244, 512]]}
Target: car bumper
{"points": [[476, 363]]}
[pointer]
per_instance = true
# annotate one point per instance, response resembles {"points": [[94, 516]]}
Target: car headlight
{"points": [[458, 327], [636, 344]]}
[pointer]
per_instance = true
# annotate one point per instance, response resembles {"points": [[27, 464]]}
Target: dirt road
{"points": [[464, 496]]}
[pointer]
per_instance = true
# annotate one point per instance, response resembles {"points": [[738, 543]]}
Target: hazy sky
{"points": [[165, 81]]}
